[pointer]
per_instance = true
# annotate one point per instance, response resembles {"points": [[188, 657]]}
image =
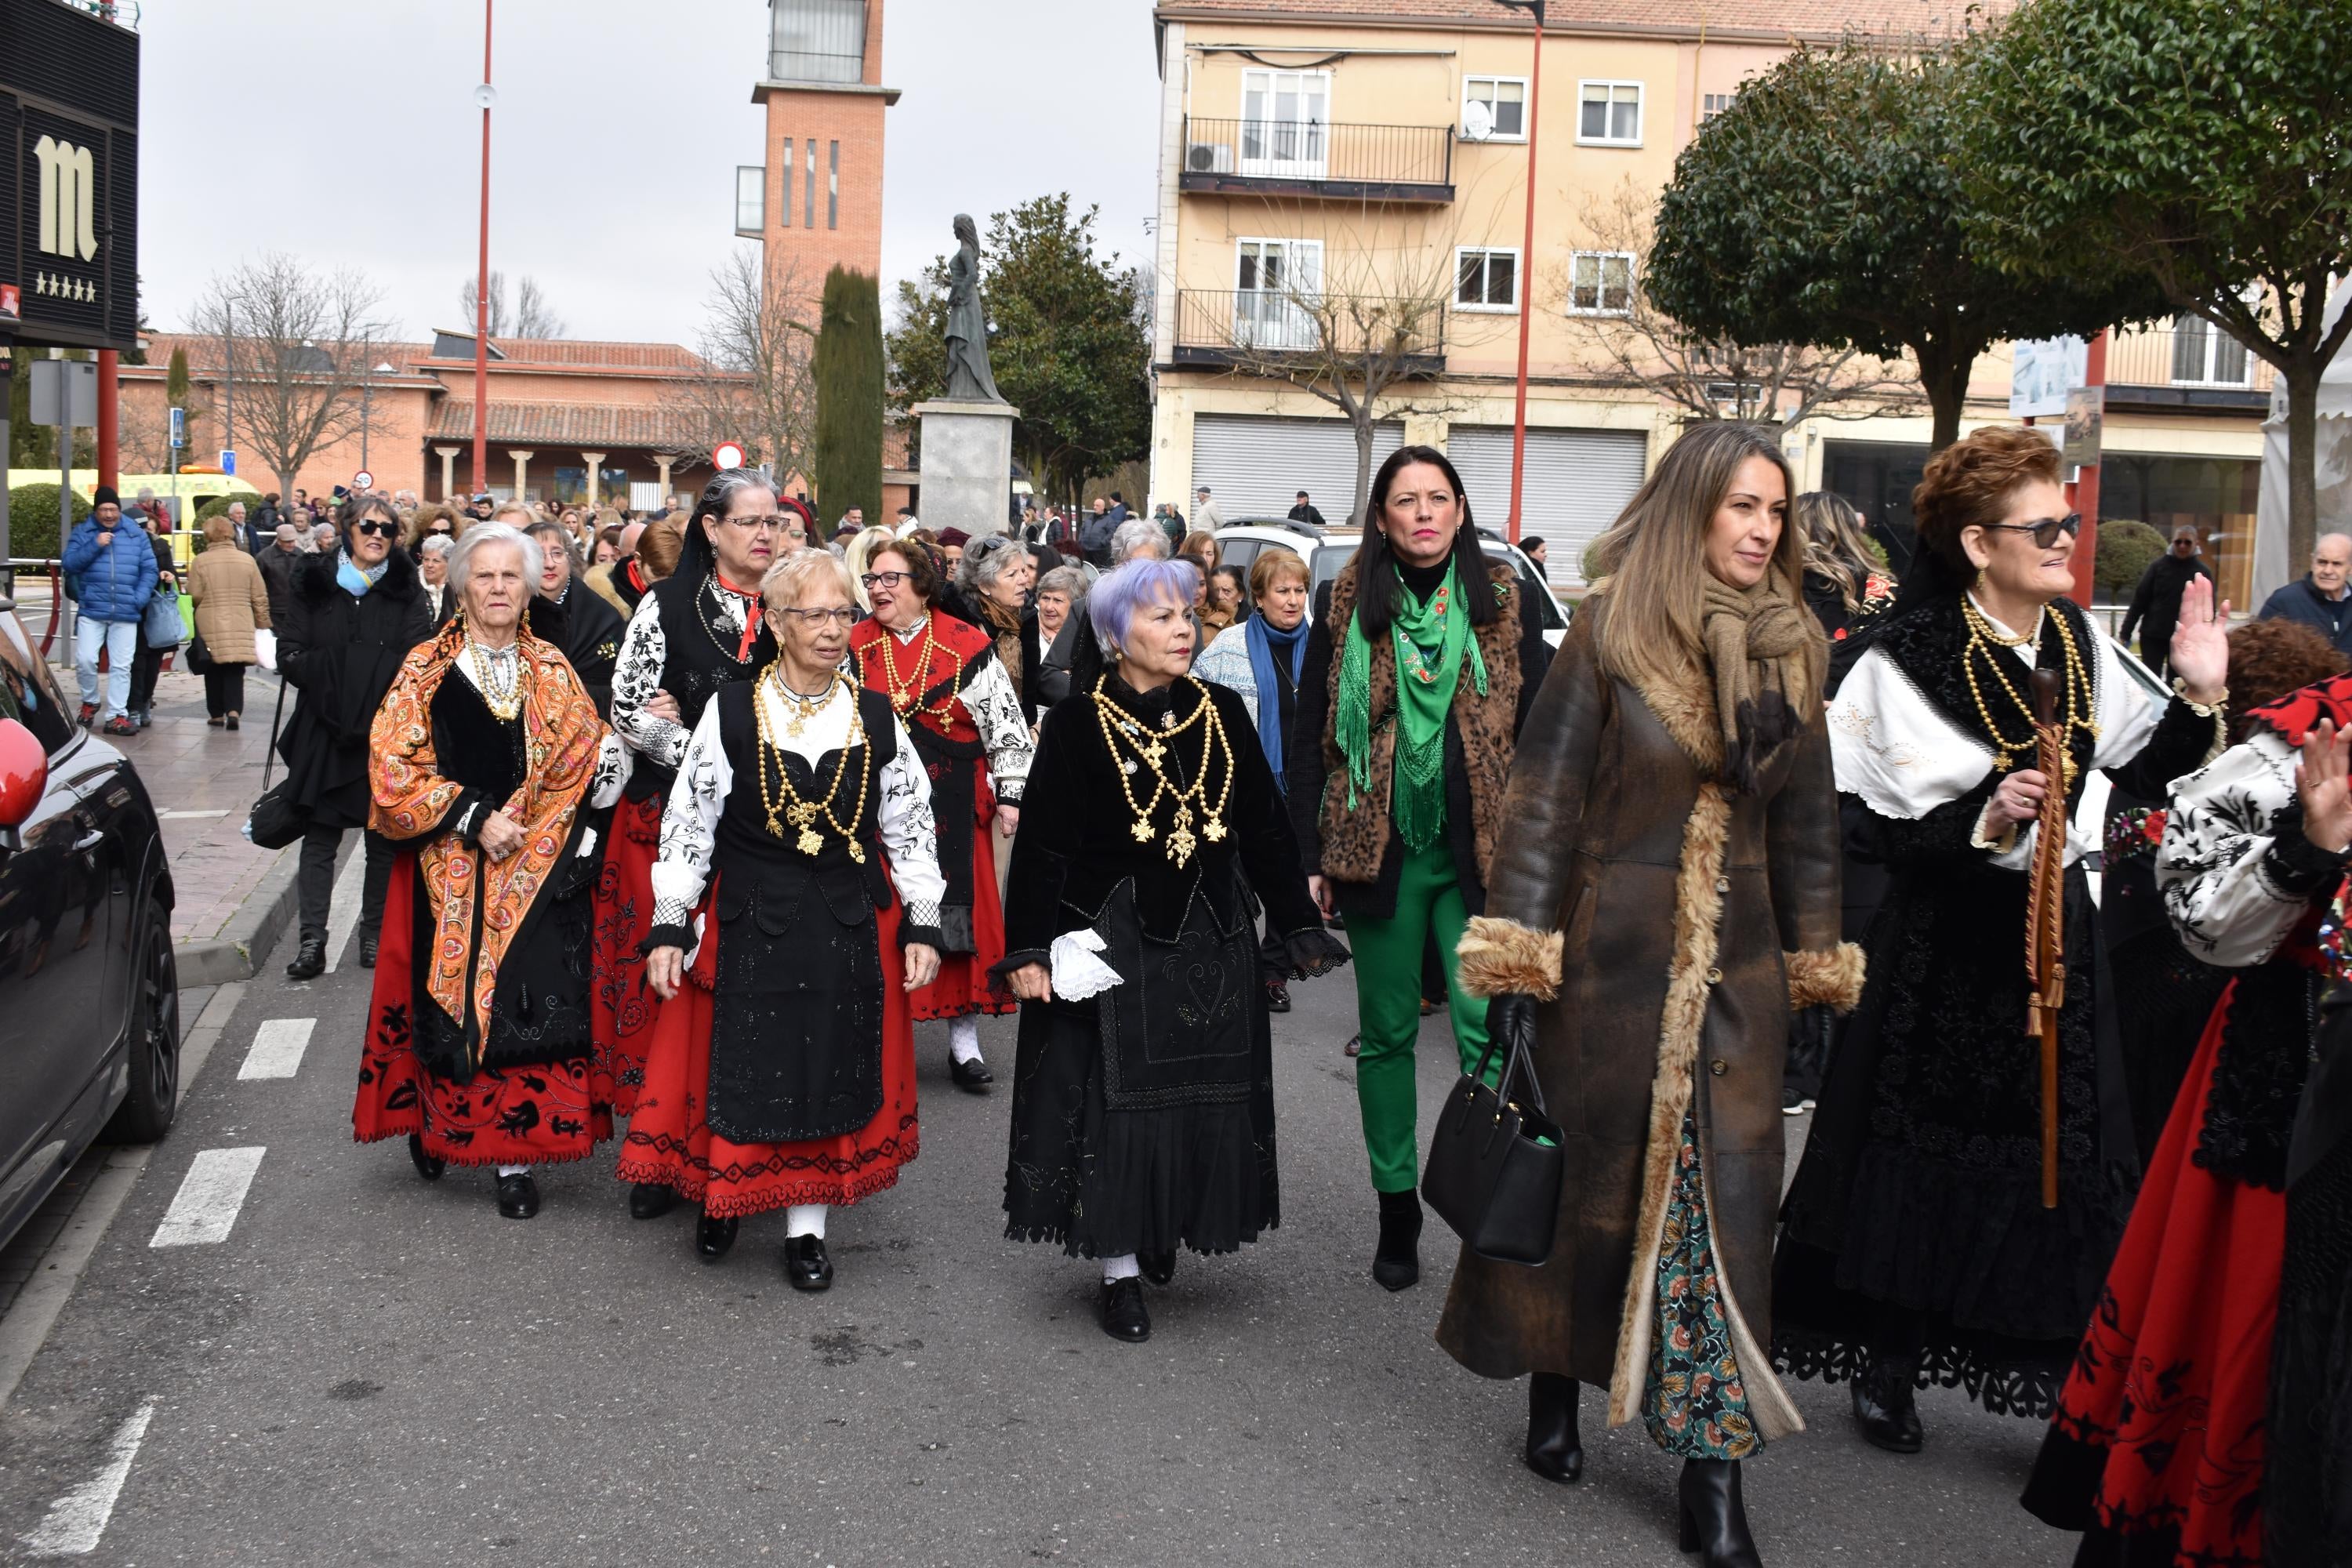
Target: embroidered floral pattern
{"points": [[1696, 1402]]}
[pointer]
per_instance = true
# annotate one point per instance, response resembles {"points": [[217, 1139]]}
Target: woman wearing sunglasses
{"points": [[1915, 1246]]}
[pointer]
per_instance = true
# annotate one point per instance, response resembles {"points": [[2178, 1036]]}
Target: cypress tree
{"points": [[176, 380], [848, 368]]}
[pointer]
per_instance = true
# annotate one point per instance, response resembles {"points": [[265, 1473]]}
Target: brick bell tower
{"points": [[817, 201]]}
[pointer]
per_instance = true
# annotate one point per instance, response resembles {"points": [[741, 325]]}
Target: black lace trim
{"points": [[2002, 1387], [2258, 1076]]}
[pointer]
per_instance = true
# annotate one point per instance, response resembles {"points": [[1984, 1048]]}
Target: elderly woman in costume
{"points": [[782, 1069], [946, 684], [1664, 890], [1143, 1095], [694, 632], [1918, 1245], [994, 578], [486, 760]]}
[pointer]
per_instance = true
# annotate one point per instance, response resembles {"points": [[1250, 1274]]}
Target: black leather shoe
{"points": [[518, 1195], [1397, 1262], [1123, 1317], [651, 1200], [1158, 1266], [1555, 1451], [1885, 1407], [428, 1166], [367, 950], [310, 960], [1278, 995], [713, 1236], [806, 1268], [971, 1077], [1714, 1520]]}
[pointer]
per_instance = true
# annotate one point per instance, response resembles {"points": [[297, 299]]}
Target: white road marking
{"points": [[205, 1207], [79, 1518], [183, 815], [278, 1047], [343, 905]]}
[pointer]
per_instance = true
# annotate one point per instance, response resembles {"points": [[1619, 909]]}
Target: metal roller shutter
{"points": [[1256, 466], [1577, 483]]}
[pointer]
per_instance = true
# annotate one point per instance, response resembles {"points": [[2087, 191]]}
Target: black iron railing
{"points": [[1241, 326], [1402, 161]]}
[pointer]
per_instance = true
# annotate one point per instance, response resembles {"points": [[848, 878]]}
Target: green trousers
{"points": [[1387, 968]]}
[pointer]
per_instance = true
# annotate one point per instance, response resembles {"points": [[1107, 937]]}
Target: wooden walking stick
{"points": [[2045, 917]]}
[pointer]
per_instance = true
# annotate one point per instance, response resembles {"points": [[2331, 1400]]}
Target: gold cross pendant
{"points": [[1143, 831], [1215, 831]]}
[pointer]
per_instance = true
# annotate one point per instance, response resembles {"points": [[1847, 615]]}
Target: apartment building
{"points": [[1379, 149]]}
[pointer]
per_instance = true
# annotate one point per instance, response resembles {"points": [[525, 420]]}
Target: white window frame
{"points": [[1705, 113], [1604, 255], [1641, 112], [1277, 321], [1497, 81], [1309, 140], [2217, 343], [1518, 274]]}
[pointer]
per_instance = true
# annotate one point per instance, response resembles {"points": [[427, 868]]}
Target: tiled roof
{"points": [[1681, 18], [566, 424], [577, 354]]}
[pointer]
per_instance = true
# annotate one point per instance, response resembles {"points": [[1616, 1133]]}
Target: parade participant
{"points": [[1664, 891], [651, 556], [1058, 623], [994, 578], [1917, 1244], [785, 1078], [1419, 672], [2157, 1450], [695, 631], [586, 628], [433, 575], [352, 616], [1143, 1094], [960, 704], [486, 757]]}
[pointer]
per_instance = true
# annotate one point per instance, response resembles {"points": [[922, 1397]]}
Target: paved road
{"points": [[368, 1369]]}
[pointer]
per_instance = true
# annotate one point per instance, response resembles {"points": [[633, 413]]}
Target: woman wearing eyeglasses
{"points": [[782, 1070], [694, 632], [1915, 1248], [944, 681]]}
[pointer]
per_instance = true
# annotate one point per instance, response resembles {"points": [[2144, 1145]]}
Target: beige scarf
{"points": [[1767, 654]]}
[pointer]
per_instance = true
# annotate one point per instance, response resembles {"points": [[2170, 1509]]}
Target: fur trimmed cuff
{"points": [[1497, 956], [1831, 979]]}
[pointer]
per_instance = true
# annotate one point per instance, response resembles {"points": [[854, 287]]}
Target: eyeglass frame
{"points": [[869, 580], [376, 526], [846, 615], [2071, 525], [780, 521]]}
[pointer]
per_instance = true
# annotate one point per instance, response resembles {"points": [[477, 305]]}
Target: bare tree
{"points": [[530, 317], [1603, 293], [755, 388], [299, 344]]}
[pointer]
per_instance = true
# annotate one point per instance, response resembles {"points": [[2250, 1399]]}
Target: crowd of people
{"points": [[675, 828]]}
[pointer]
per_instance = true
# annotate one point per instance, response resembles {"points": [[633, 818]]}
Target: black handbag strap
{"points": [[1517, 1064]]}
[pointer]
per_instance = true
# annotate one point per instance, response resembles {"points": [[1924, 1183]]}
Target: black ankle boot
{"points": [[1397, 1262], [1714, 1519], [310, 960], [1884, 1405], [1555, 1451]]}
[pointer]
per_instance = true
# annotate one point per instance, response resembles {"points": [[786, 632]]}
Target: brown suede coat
{"points": [[1649, 910]]}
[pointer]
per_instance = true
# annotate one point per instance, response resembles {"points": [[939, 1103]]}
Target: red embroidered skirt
{"points": [[961, 984], [542, 1114], [669, 1142], [621, 1006], [2157, 1450]]}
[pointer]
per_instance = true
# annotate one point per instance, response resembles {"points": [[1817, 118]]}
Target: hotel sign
{"points": [[69, 174]]}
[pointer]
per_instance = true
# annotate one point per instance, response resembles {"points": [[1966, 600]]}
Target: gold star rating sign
{"points": [[58, 286]]}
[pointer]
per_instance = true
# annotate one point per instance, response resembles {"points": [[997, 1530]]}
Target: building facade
{"points": [[1377, 151], [817, 203]]}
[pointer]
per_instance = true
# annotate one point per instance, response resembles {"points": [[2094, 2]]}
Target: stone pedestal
{"points": [[966, 473]]}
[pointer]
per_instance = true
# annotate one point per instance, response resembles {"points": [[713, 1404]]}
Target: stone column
{"points": [[522, 466], [595, 465], [966, 464], [664, 461], [448, 456]]}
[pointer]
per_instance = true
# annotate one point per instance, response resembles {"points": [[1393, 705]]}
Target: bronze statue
{"points": [[969, 377]]}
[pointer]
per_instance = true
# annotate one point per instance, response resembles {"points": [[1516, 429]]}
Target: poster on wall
{"points": [[2085, 409], [2042, 371]]}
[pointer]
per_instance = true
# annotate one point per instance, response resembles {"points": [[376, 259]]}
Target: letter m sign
{"points": [[69, 198]]}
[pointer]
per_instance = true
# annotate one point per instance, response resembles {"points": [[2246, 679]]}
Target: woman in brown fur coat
{"points": [[1664, 890]]}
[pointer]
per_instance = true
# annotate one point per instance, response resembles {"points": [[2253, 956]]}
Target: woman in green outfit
{"points": [[1419, 670]]}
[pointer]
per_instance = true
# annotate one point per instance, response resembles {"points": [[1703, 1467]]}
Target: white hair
{"points": [[437, 544], [461, 557], [1133, 538]]}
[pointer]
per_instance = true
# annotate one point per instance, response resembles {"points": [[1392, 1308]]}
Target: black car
{"points": [[89, 998]]}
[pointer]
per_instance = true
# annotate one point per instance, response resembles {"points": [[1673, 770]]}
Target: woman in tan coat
{"points": [[231, 601], [1665, 889]]}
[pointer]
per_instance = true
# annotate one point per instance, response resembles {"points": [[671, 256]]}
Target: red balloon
{"points": [[23, 772]]}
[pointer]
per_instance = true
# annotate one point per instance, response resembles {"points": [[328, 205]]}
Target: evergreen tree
{"points": [[848, 368]]}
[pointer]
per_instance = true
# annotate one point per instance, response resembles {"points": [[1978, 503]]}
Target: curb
{"points": [[244, 943]]}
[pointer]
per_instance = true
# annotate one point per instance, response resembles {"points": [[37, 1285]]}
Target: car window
{"points": [[28, 690], [1537, 593], [1240, 553]]}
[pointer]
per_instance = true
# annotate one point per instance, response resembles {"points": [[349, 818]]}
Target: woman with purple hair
{"points": [[1143, 1088]]}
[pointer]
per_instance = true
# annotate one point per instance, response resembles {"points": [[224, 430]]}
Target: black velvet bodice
{"points": [[471, 746]]}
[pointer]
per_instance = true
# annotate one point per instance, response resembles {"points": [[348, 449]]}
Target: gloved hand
{"points": [[1510, 1028]]}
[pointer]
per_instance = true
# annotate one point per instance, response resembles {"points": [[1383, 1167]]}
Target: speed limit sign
{"points": [[727, 455], [364, 480]]}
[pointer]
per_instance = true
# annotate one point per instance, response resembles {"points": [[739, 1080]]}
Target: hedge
{"points": [[2127, 548], [33, 520]]}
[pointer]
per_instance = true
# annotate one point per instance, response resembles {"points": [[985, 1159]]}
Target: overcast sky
{"points": [[347, 134]]}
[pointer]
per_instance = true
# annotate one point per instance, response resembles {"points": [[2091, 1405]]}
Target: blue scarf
{"points": [[353, 581], [1263, 640]]}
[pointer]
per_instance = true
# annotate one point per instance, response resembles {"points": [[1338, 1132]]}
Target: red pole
{"points": [[482, 290], [2086, 489], [1527, 311], [110, 420]]}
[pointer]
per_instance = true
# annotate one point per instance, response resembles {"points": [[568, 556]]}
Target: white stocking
{"points": [[964, 1038], [805, 1219], [1123, 1267]]}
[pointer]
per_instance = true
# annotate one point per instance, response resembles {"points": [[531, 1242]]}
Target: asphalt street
{"points": [[364, 1368]]}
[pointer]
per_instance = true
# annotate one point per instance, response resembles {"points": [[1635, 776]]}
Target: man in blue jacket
{"points": [[2320, 600], [114, 565]]}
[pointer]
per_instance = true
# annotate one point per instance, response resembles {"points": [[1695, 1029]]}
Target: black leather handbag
{"points": [[275, 821], [1496, 1163]]}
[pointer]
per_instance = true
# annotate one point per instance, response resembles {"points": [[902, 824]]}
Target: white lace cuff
{"points": [[1077, 972]]}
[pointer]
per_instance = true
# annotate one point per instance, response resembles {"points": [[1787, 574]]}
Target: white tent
{"points": [[2273, 570]]}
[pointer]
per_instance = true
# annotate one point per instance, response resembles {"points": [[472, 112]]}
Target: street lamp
{"points": [[1526, 254], [367, 400], [484, 95]]}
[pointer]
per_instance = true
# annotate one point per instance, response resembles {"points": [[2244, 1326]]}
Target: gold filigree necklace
{"points": [[782, 802], [1983, 636], [498, 675], [1119, 725]]}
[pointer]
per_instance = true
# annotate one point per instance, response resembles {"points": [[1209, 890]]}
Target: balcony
{"points": [[1305, 158], [2189, 366], [1264, 329]]}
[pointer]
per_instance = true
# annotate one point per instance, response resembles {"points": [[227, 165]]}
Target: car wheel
{"points": [[154, 1045]]}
